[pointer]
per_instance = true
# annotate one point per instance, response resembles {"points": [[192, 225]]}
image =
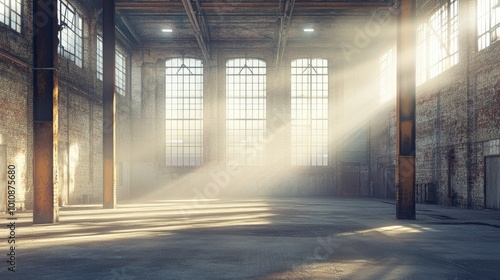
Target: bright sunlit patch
{"points": [[388, 75], [387, 230], [82, 226], [74, 154], [398, 229]]}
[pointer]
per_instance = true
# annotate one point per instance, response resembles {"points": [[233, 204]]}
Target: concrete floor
{"points": [[325, 238]]}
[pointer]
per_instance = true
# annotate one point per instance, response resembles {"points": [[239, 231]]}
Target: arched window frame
{"points": [[184, 112], [245, 111], [309, 112]]}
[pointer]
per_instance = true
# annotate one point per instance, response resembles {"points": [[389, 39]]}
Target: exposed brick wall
{"points": [[80, 113], [15, 101], [457, 112], [14, 91], [97, 158]]}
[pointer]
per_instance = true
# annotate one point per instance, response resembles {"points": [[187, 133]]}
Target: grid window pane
{"points": [[309, 109], [488, 22], [387, 76], [421, 54], [10, 14], [184, 112], [99, 58], [120, 73], [245, 111], [437, 42], [70, 37]]}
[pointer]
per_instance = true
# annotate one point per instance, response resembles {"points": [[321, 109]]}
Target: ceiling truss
{"points": [[241, 22], [199, 26], [284, 19]]}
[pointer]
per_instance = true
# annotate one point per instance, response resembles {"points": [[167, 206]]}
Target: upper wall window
{"points": [[388, 76], [70, 37], [120, 67], [437, 42], [120, 73], [184, 112], [421, 63], [99, 57], [309, 112], [488, 22], [10, 13], [245, 111]]}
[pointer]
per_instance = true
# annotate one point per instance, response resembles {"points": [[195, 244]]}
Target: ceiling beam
{"points": [[129, 28], [344, 4], [155, 5], [203, 24], [283, 22], [147, 5], [199, 26]]}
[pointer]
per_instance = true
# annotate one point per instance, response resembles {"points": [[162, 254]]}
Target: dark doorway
{"points": [[492, 182], [350, 181]]}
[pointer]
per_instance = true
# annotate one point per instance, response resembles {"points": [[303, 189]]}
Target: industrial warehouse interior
{"points": [[250, 139]]}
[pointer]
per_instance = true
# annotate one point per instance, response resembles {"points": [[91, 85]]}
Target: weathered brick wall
{"points": [[80, 113], [15, 103], [79, 149], [123, 145], [14, 91], [458, 113], [383, 150], [96, 145]]}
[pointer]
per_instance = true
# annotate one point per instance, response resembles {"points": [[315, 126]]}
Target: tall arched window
{"points": [[309, 112], [245, 111], [184, 112]]}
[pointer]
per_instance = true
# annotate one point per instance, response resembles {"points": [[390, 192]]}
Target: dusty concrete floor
{"points": [[327, 238]]}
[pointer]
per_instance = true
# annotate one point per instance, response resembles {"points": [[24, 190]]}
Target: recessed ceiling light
{"points": [[167, 30], [308, 29]]}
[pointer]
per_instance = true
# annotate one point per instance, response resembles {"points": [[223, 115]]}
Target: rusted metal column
{"points": [[109, 100], [405, 119], [45, 112]]}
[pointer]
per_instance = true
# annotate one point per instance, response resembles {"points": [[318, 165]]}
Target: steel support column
{"points": [[109, 100], [405, 123], [45, 112]]}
